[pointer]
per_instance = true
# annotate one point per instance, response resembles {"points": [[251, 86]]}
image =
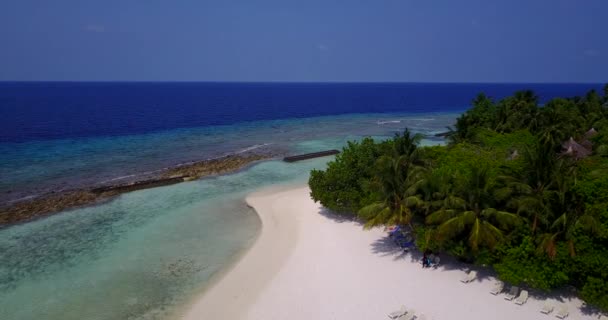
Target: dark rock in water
{"points": [[310, 155], [52, 202], [145, 184], [214, 166], [442, 134]]}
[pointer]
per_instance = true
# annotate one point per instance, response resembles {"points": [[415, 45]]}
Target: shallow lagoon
{"points": [[146, 253]]}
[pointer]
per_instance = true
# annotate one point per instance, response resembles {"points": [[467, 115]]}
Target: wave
{"points": [[253, 147], [120, 178], [422, 119], [135, 175], [23, 198], [381, 122], [388, 121]]}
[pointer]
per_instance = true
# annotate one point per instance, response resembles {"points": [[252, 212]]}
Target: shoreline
{"points": [[277, 233], [308, 263]]}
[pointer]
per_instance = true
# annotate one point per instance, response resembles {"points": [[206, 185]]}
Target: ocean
{"points": [[145, 254]]}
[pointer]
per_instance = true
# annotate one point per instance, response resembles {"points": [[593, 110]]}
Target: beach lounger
{"points": [[562, 312], [435, 261], [512, 293], [398, 313], [469, 277], [547, 308], [498, 287], [523, 297], [421, 317], [603, 317], [409, 315]]}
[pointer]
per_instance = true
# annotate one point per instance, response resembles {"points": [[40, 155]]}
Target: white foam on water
{"points": [[253, 147], [388, 121]]}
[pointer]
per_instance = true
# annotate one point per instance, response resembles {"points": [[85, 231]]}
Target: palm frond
{"points": [[412, 201], [548, 244], [451, 228], [490, 235], [506, 219], [588, 222], [454, 202], [503, 193], [474, 235], [560, 223], [371, 210], [402, 217], [382, 217], [440, 216], [468, 217]]}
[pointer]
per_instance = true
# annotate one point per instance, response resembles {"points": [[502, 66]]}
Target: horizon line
{"points": [[292, 82]]}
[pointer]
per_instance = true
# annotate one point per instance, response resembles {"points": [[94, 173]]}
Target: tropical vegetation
{"points": [[519, 186]]}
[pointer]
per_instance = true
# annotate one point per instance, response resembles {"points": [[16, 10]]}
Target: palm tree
{"points": [[572, 216], [480, 115], [517, 112], [525, 109], [454, 136], [435, 191], [398, 177], [563, 228], [558, 120], [532, 188], [471, 211]]}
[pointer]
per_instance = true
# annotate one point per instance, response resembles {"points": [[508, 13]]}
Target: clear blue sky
{"points": [[307, 40]]}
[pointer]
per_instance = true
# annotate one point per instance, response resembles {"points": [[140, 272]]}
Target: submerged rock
{"points": [[53, 202]]}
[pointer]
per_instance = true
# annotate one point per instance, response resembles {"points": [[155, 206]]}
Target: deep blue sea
{"points": [[54, 110], [147, 253]]}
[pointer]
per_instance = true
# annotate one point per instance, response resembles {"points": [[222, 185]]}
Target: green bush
{"points": [[523, 264], [595, 292], [344, 185]]}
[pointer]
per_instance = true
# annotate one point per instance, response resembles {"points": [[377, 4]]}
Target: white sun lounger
{"points": [[498, 287], [409, 315], [523, 297], [603, 317], [398, 313], [469, 277], [547, 308], [562, 312], [421, 317], [512, 293], [436, 261]]}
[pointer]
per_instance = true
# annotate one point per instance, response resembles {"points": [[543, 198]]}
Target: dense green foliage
{"points": [[345, 185], [503, 192]]}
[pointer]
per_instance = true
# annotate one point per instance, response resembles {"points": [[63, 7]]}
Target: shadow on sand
{"points": [[340, 218], [385, 246]]}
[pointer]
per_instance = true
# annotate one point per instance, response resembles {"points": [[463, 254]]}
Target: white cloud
{"points": [[591, 53], [95, 28]]}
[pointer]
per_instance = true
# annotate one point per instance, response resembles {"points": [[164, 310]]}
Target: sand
{"points": [[310, 264]]}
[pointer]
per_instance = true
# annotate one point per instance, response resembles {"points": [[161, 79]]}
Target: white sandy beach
{"points": [[308, 264]]}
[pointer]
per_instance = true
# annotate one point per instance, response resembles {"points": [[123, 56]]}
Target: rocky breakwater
{"points": [[49, 203]]}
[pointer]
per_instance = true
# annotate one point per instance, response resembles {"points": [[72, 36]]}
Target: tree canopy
{"points": [[519, 186]]}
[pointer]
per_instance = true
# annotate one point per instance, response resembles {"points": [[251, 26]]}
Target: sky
{"points": [[307, 40]]}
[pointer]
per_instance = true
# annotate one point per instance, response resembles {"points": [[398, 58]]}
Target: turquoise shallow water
{"points": [[137, 255], [145, 253], [36, 167]]}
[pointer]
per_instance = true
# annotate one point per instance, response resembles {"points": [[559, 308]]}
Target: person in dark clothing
{"points": [[424, 260]]}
